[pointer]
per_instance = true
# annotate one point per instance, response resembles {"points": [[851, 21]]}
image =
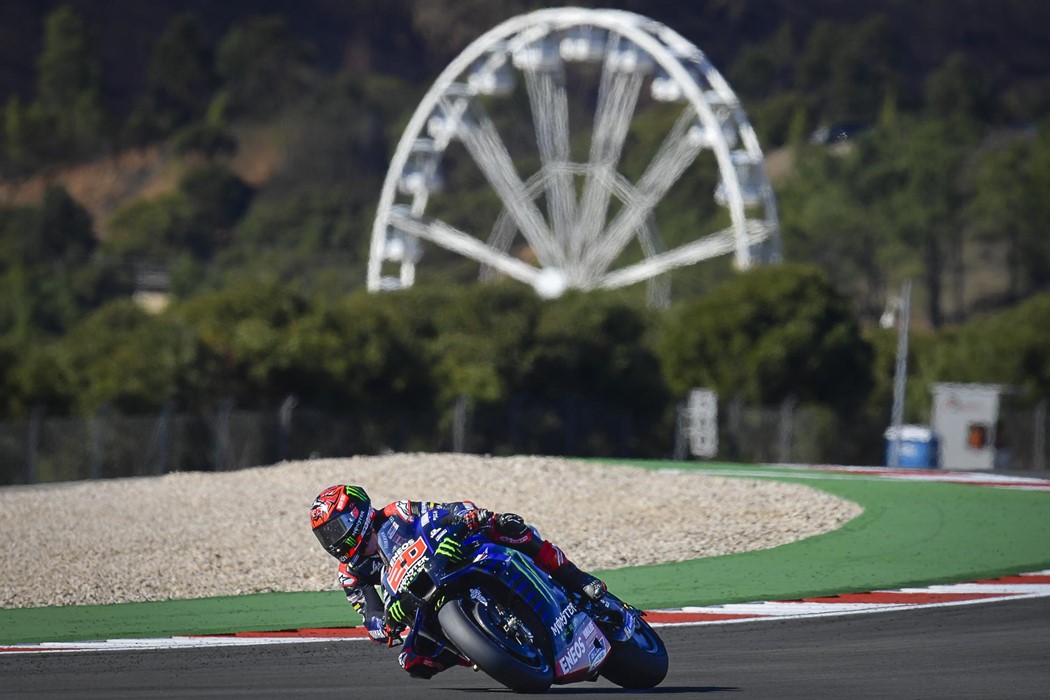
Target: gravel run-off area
{"points": [[195, 534]]}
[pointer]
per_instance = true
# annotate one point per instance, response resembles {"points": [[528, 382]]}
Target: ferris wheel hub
{"points": [[550, 283]]}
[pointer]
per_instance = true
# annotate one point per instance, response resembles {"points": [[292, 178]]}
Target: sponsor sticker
{"points": [[563, 619], [572, 655]]}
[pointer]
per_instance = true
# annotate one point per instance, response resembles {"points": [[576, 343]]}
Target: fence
{"points": [[47, 449]]}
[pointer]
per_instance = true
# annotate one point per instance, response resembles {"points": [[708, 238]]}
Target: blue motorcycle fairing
{"points": [[410, 548]]}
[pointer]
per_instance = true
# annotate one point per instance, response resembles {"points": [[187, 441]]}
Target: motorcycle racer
{"points": [[345, 523]]}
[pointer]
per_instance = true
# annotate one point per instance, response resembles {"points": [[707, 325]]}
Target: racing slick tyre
{"points": [[506, 644], [640, 662]]}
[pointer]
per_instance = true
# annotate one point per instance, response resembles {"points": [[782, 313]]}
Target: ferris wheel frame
{"points": [[398, 227]]}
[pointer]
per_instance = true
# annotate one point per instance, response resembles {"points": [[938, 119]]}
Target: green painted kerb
{"points": [[909, 534]]}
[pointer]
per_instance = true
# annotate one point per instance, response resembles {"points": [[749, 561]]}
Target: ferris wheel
{"points": [[568, 217]]}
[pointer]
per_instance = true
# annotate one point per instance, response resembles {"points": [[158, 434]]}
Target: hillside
{"points": [[231, 157]]}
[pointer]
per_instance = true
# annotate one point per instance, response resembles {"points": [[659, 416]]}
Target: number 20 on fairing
{"points": [[404, 562]]}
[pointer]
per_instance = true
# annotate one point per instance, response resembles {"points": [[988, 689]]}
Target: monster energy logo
{"points": [[541, 587], [357, 493], [450, 549], [396, 612]]}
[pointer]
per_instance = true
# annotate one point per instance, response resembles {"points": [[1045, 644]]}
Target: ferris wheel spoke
{"points": [[617, 97], [713, 245], [451, 238], [676, 153], [500, 240], [550, 111], [482, 141]]}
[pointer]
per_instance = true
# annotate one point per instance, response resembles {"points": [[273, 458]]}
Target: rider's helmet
{"points": [[341, 517]]}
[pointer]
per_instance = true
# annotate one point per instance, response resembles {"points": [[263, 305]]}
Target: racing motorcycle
{"points": [[497, 610]]}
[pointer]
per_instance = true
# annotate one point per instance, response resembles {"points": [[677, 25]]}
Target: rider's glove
{"points": [[393, 632], [382, 632], [476, 519], [509, 525]]}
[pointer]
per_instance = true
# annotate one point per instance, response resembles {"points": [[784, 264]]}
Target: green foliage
{"points": [[217, 197], [181, 77], [263, 67], [309, 222], [179, 84], [49, 272], [15, 134], [243, 325], [767, 335], [122, 357], [594, 345], [1012, 347], [357, 354], [1009, 182], [68, 92], [354, 353], [12, 352], [65, 236], [891, 206], [197, 218], [476, 338], [958, 89], [156, 227]]}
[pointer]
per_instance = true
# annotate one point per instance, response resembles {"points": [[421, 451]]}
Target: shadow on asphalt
{"points": [[584, 690]]}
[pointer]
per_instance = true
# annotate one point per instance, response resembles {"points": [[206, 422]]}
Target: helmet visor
{"points": [[342, 535]]}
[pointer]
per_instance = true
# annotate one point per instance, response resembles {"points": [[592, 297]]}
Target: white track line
{"points": [[825, 606]]}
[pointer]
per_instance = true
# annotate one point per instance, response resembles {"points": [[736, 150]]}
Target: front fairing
{"points": [[416, 545]]}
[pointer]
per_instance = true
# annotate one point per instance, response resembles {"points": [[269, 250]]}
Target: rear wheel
{"points": [[506, 641], [640, 662]]}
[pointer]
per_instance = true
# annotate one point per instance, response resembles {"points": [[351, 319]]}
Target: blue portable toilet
{"points": [[918, 447]]}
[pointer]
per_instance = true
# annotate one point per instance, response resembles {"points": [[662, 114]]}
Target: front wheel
{"points": [[640, 662], [505, 644]]}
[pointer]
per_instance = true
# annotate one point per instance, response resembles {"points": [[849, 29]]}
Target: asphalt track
{"points": [[986, 650]]}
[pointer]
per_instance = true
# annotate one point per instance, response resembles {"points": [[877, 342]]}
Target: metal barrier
{"points": [[106, 445]]}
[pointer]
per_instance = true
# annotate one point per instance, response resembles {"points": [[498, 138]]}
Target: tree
{"points": [[476, 338], [263, 66], [49, 274], [122, 357], [66, 236], [356, 354], [958, 89], [68, 89], [180, 82], [1008, 182], [891, 205], [217, 197], [765, 68], [769, 334], [847, 70], [198, 218], [1011, 347], [245, 326], [594, 344], [181, 77], [15, 134]]}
